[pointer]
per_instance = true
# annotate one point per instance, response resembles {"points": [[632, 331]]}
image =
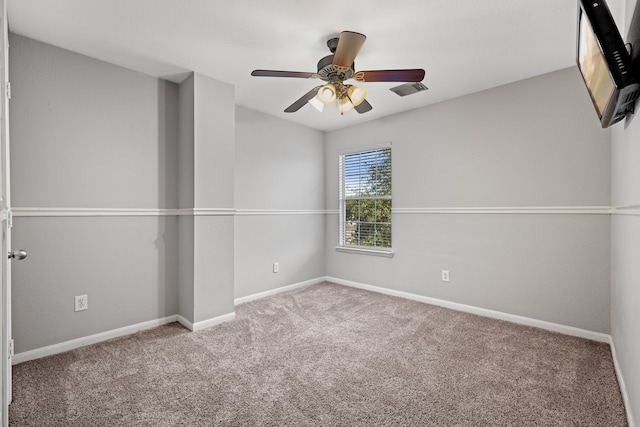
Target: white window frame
{"points": [[342, 247]]}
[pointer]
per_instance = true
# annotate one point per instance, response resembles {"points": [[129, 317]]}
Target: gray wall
{"points": [[625, 250], [533, 144], [213, 142], [120, 123], [279, 193], [126, 265], [186, 119], [86, 134]]}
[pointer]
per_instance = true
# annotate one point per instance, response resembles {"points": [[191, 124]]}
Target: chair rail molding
{"points": [[633, 209]]}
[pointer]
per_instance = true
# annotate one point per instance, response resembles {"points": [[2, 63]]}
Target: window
{"points": [[365, 199]]}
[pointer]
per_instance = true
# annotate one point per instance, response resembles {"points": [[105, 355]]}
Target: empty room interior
{"points": [[155, 178]]}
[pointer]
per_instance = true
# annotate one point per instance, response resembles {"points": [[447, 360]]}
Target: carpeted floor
{"points": [[327, 355]]}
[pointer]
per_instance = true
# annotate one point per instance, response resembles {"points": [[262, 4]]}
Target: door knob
{"points": [[18, 254]]}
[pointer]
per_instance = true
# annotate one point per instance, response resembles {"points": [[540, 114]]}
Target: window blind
{"points": [[365, 198]]}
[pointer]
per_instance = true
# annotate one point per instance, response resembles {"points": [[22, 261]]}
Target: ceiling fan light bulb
{"points": [[357, 95], [344, 105], [327, 93]]}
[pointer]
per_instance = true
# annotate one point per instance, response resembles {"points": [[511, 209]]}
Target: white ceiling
{"points": [[464, 45]]}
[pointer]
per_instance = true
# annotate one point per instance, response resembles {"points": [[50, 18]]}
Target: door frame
{"points": [[5, 220]]}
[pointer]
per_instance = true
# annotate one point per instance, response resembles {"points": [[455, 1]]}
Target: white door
{"points": [[5, 222]]}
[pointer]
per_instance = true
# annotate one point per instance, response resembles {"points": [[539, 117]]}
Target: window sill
{"points": [[387, 253]]}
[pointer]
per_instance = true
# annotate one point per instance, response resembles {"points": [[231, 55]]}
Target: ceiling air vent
{"points": [[408, 89]]}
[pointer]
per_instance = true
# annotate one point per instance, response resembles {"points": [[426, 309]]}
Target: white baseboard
{"points": [[91, 339], [127, 330], [198, 326], [621, 383], [521, 320], [278, 290]]}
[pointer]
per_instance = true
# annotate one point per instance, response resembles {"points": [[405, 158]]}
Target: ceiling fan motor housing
{"points": [[330, 73], [332, 44]]}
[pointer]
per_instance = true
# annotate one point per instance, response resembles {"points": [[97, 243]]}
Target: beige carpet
{"points": [[327, 355]]}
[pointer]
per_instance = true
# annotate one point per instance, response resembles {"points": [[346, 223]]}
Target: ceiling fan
{"points": [[335, 69]]}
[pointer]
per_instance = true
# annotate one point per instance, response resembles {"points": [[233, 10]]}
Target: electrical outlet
{"points": [[445, 275], [276, 267], [82, 302]]}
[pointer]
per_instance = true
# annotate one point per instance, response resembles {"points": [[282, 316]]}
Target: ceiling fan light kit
{"points": [[344, 105], [356, 94], [335, 69], [348, 96], [327, 94]]}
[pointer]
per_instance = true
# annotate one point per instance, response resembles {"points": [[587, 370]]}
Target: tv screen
{"points": [[604, 63]]}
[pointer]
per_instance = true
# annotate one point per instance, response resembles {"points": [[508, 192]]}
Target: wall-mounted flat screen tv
{"points": [[604, 62]]}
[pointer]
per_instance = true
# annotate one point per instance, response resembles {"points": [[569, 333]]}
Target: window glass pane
{"points": [[351, 210], [383, 210], [368, 173], [352, 175], [383, 235], [382, 180], [351, 233], [367, 210], [367, 234], [352, 186]]}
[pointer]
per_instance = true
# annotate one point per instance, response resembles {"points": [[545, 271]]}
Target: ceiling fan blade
{"points": [[302, 101], [349, 45], [363, 107], [276, 73], [411, 75]]}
